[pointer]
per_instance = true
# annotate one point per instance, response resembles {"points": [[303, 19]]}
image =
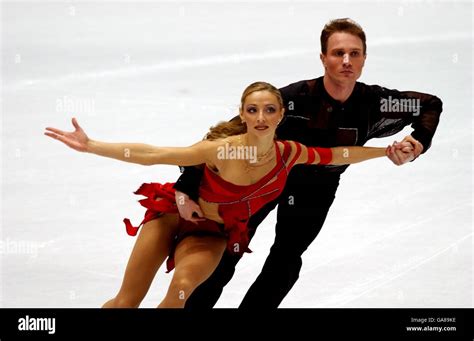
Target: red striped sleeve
{"points": [[297, 154], [325, 155], [286, 151], [311, 155]]}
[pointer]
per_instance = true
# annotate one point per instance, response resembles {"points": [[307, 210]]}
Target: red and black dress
{"points": [[236, 203]]}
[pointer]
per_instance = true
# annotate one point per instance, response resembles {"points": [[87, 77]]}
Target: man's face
{"points": [[344, 58]]}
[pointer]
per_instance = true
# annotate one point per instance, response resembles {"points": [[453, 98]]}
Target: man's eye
{"points": [[339, 53], [355, 53]]}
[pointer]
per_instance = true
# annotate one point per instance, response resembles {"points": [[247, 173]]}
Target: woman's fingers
{"points": [[57, 137], [77, 140], [57, 131], [75, 124], [53, 135], [50, 134], [392, 155], [68, 142], [60, 132]]}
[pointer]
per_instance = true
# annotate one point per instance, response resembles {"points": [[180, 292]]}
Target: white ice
{"points": [[162, 73]]}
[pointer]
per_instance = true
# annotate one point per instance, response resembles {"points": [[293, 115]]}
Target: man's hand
{"points": [[405, 151], [417, 146], [188, 209]]}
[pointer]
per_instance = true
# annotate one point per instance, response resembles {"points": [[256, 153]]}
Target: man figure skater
{"points": [[328, 111]]}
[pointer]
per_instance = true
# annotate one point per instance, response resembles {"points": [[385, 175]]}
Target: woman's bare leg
{"points": [[150, 250], [196, 258]]}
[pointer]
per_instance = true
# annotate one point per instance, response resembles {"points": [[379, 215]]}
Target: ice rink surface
{"points": [[162, 73]]}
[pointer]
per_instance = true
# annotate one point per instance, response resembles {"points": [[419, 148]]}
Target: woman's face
{"points": [[262, 113]]}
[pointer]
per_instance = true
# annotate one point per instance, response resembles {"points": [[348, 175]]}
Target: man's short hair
{"points": [[341, 25]]}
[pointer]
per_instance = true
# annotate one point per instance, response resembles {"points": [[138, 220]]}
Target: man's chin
{"points": [[348, 74], [347, 79]]}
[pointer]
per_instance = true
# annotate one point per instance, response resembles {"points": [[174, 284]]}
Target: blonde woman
{"points": [[245, 167]]}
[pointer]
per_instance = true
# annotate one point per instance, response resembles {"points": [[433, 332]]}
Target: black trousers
{"points": [[302, 210]]}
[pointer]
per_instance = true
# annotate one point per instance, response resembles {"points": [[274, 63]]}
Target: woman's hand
{"points": [[77, 139]]}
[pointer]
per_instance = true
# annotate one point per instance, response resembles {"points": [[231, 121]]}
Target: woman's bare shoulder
{"points": [[212, 144], [221, 141], [292, 144], [281, 145]]}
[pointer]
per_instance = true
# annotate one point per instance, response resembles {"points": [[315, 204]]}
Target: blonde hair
{"points": [[235, 126]]}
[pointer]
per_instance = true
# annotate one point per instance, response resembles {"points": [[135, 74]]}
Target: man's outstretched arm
{"points": [[393, 110]]}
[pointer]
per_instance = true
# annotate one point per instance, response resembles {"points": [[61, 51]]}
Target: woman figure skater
{"points": [[245, 168]]}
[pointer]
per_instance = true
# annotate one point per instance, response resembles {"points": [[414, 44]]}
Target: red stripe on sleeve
{"points": [[297, 155], [311, 155], [325, 154]]}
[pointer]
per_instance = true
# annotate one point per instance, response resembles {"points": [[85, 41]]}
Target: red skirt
{"points": [[166, 204]]}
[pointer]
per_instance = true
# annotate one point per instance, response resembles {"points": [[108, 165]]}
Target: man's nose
{"points": [[345, 59]]}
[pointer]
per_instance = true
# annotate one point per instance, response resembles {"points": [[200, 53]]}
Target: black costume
{"points": [[314, 118]]}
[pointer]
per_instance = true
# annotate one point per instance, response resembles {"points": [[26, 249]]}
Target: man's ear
{"points": [[323, 59], [365, 57]]}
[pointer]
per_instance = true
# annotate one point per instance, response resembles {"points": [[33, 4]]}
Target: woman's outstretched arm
{"points": [[144, 154], [341, 155], [354, 154]]}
